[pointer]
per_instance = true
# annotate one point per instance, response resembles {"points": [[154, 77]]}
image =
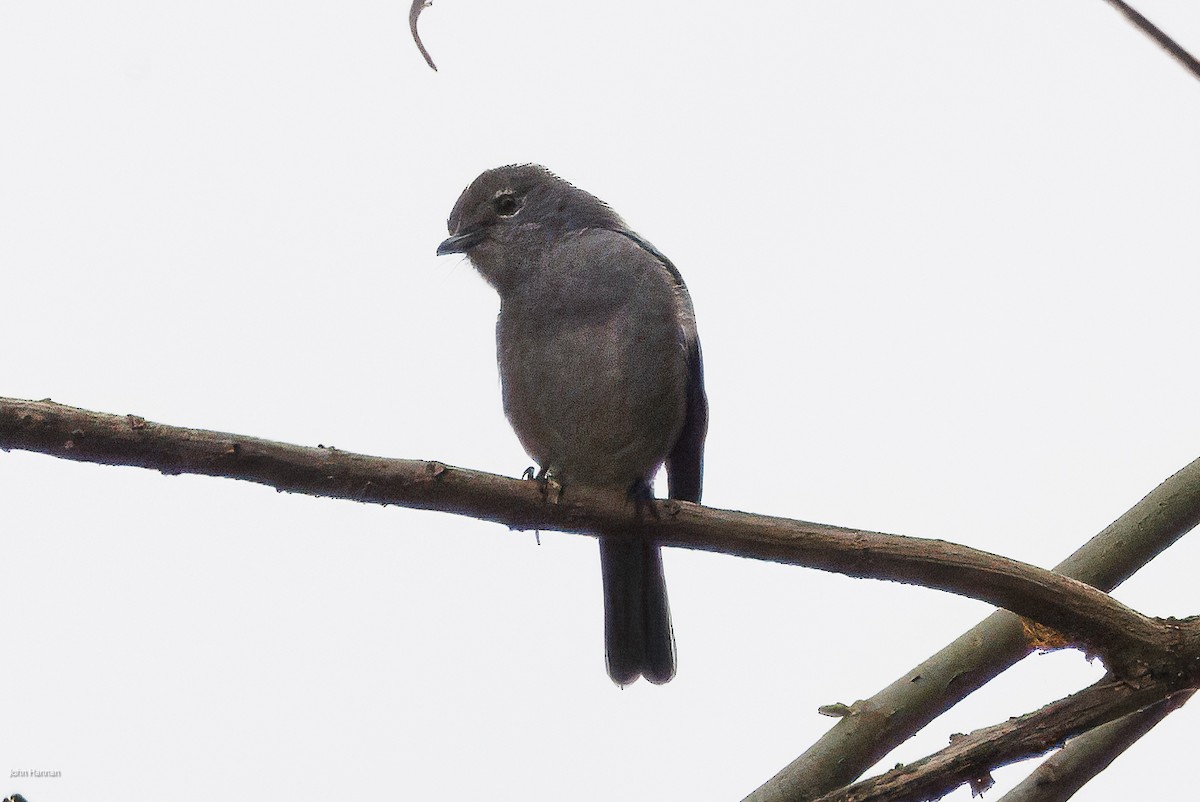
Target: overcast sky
{"points": [[945, 262]]}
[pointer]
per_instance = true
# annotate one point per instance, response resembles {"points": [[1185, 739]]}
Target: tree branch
{"points": [[1168, 44], [878, 725], [1065, 772], [969, 757], [1130, 642]]}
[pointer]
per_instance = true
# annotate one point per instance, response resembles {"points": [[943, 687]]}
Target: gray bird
{"points": [[600, 372]]}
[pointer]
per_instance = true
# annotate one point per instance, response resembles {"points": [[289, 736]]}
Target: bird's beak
{"points": [[461, 243]]}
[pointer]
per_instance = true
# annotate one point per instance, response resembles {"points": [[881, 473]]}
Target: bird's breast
{"points": [[597, 397]]}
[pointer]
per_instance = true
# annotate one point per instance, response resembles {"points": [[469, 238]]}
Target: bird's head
{"points": [[509, 213]]}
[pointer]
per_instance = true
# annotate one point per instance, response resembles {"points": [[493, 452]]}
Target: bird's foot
{"points": [[550, 487], [642, 496]]}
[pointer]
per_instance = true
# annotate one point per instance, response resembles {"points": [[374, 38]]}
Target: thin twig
{"points": [[1168, 44], [413, 13]]}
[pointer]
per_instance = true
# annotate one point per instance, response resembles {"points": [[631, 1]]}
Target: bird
{"points": [[600, 370]]}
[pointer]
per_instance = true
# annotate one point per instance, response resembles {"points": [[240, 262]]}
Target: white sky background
{"points": [[944, 257]]}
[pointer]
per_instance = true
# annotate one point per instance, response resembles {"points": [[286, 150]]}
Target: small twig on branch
{"points": [[1168, 44]]}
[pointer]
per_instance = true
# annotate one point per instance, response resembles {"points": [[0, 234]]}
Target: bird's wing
{"points": [[685, 463]]}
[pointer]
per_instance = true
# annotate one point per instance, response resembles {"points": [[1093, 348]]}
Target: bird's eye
{"points": [[506, 204]]}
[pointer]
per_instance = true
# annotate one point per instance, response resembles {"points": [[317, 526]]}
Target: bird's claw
{"points": [[551, 489], [642, 496]]}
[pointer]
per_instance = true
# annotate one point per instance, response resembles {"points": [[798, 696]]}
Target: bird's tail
{"points": [[638, 637]]}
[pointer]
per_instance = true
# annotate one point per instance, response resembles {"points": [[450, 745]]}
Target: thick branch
{"points": [[1001, 744], [878, 725], [1130, 641]]}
